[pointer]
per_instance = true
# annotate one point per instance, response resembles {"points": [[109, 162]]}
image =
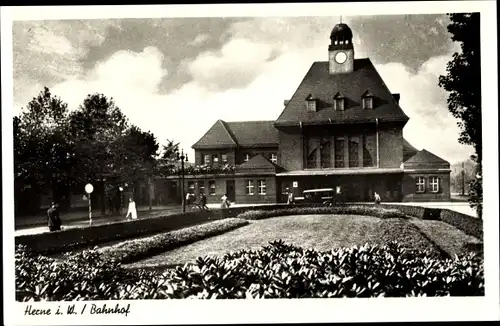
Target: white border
{"points": [[253, 311]]}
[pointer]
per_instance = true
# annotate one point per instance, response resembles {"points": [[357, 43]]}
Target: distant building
{"points": [[342, 127]]}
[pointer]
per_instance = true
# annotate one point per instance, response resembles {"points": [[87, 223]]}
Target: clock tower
{"points": [[341, 50]]}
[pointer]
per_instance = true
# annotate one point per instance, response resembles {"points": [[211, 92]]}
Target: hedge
{"points": [[278, 270], [469, 225], [134, 250], [73, 238], [68, 239], [377, 211]]}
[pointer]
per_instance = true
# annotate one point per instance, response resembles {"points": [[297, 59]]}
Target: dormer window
{"points": [[311, 103], [367, 100], [339, 102]]}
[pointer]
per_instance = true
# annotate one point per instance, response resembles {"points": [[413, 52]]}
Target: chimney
{"points": [[285, 102], [396, 97]]}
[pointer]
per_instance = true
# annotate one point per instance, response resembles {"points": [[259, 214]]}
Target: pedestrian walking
{"points": [[132, 209], [203, 202], [53, 219], [291, 197], [377, 198], [224, 202]]}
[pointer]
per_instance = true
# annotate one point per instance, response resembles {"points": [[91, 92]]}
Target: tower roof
{"points": [[352, 86], [341, 31]]}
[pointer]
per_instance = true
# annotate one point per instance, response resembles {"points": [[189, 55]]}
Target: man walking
{"points": [[53, 219], [203, 202]]}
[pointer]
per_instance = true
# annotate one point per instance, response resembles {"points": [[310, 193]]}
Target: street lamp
{"points": [[182, 158], [121, 198], [88, 189]]}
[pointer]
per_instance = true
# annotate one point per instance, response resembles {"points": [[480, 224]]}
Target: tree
{"points": [[463, 82], [96, 130], [42, 151], [168, 158]]}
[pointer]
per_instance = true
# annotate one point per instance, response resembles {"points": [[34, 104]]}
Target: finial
{"points": [[341, 19]]}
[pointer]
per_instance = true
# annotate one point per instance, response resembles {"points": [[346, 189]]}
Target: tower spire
{"points": [[341, 19]]}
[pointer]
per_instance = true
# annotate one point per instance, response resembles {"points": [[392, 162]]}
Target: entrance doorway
{"points": [[230, 189]]}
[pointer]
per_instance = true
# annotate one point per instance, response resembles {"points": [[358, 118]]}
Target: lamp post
{"points": [[121, 199], [88, 189], [182, 158]]}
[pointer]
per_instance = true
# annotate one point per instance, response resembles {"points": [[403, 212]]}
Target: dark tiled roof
{"points": [[239, 133], [425, 157], [408, 150], [323, 86], [217, 136], [257, 162]]}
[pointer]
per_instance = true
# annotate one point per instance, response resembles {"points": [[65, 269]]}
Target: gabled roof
{"points": [[239, 133], [352, 86], [425, 157], [408, 150], [257, 162], [217, 136]]}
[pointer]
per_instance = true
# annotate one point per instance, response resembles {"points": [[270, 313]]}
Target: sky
{"points": [[176, 76]]}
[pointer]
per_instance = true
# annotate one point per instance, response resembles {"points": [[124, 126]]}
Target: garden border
{"points": [[65, 240]]}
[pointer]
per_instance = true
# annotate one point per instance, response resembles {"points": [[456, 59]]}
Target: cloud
{"points": [[200, 39], [259, 64], [431, 125], [47, 42], [236, 64]]}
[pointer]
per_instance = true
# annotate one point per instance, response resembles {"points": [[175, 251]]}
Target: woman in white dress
{"points": [[132, 210]]}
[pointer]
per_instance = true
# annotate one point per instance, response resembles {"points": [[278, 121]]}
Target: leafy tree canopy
{"points": [[463, 79]]}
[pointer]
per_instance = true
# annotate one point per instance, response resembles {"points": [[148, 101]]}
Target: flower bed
{"points": [[354, 210], [275, 271], [133, 250]]}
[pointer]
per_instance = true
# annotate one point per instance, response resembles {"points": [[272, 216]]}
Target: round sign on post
{"points": [[88, 189]]}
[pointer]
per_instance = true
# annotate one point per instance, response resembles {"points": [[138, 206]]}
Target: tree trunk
{"points": [[103, 198]]}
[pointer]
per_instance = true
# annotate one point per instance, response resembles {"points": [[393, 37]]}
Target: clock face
{"points": [[340, 57]]}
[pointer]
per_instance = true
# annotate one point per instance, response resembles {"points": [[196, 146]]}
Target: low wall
{"points": [[64, 240], [60, 241]]}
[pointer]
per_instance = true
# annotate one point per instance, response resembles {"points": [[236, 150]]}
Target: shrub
{"points": [[55, 242], [355, 210], [278, 270], [467, 224], [133, 250], [409, 210]]}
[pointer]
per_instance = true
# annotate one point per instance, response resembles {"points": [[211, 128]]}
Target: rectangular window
{"points": [[368, 103], [339, 104], [339, 152], [325, 155], [367, 154], [274, 158], [353, 151], [420, 184], [224, 158], [249, 187], [191, 187], [262, 187], [434, 184], [312, 148], [215, 158], [201, 187], [211, 187], [206, 159], [311, 106]]}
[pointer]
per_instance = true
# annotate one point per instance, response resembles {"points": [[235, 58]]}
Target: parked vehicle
{"points": [[323, 196]]}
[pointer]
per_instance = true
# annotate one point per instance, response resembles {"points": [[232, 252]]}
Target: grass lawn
{"points": [[322, 232], [448, 238]]}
